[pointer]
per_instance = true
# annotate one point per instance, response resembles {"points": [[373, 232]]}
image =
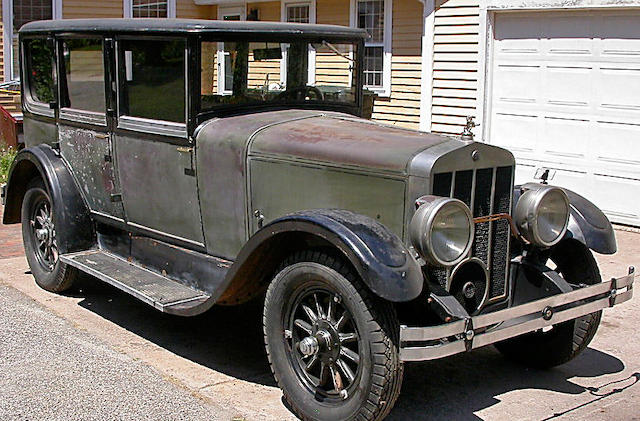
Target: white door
{"points": [[565, 94]]}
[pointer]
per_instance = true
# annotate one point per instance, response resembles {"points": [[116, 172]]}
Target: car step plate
{"points": [[154, 289]]}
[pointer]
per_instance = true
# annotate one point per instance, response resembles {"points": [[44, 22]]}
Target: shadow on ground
{"points": [[229, 340]]}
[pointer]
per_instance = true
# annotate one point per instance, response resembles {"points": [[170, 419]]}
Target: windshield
{"points": [[254, 73]]}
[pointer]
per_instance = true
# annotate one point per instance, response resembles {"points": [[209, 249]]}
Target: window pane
{"points": [[84, 69], [154, 80], [298, 14], [253, 74], [149, 9], [39, 70], [371, 18], [26, 11], [373, 65]]}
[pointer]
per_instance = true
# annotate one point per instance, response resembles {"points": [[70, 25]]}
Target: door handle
{"points": [[183, 149], [101, 136]]}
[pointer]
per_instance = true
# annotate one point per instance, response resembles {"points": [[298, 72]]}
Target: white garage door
{"points": [[565, 94]]}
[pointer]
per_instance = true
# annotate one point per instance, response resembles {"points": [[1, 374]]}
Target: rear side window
{"points": [[39, 69], [153, 79], [84, 73]]}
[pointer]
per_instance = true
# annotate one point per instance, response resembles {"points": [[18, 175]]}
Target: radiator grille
{"points": [[486, 191]]}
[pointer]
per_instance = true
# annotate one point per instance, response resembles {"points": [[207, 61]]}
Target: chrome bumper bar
{"points": [[429, 343]]}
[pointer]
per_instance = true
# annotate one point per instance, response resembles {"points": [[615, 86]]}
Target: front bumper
{"points": [[429, 343]]}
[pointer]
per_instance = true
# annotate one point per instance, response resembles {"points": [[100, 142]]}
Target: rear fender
{"points": [[74, 228], [382, 261]]}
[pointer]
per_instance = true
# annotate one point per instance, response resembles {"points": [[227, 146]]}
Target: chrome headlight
{"points": [[542, 214], [442, 230]]}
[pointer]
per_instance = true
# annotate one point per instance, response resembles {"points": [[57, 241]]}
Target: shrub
{"points": [[6, 158]]}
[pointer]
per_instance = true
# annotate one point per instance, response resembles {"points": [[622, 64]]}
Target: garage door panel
{"points": [[621, 207], [568, 86], [610, 140], [620, 89], [565, 138], [566, 95], [518, 83], [517, 133]]}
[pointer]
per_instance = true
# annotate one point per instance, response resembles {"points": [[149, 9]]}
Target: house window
{"points": [[375, 17], [149, 8], [22, 11], [298, 13]]}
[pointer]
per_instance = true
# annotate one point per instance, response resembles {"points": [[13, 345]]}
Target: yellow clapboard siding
{"points": [[456, 39], [187, 9], [455, 48], [454, 93], [447, 56], [456, 29], [458, 11], [455, 84], [333, 12], [453, 111], [457, 20], [450, 129], [267, 11], [456, 3], [446, 74], [453, 102], [450, 119], [84, 9], [455, 65]]}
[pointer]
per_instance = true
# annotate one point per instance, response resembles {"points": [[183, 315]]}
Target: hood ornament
{"points": [[467, 133]]}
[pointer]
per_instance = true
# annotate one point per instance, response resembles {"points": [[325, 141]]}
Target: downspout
{"points": [[426, 84]]}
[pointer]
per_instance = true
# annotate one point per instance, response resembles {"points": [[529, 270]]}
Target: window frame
{"points": [[284, 8], [128, 9], [241, 12], [75, 114], [32, 104], [148, 125], [385, 89], [8, 37]]}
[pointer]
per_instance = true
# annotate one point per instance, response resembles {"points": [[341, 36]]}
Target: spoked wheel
{"points": [[323, 342], [43, 232], [564, 341], [332, 345], [39, 239]]}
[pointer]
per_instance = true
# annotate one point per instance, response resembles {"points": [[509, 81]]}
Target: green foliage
{"points": [[6, 158]]}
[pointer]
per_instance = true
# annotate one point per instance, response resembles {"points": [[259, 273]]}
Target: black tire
{"points": [[377, 377], [48, 271], [566, 340]]}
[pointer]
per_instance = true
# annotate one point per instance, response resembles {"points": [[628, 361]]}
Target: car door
{"points": [[83, 124], [154, 153]]}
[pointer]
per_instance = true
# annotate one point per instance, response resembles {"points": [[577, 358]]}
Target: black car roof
{"points": [[187, 26]]}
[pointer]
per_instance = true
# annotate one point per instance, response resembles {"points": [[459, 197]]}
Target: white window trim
{"points": [[7, 33], [128, 8], [426, 83], [231, 10], [385, 90], [311, 78]]}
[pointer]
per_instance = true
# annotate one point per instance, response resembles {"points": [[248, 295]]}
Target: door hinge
{"points": [[190, 172], [107, 158], [116, 197]]}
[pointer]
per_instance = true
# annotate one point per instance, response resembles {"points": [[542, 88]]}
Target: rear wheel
{"points": [[564, 341], [332, 345], [39, 239]]}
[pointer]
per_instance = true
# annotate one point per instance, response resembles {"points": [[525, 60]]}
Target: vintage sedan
{"points": [[192, 163]]}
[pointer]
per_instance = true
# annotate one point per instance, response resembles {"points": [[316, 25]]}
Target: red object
{"points": [[10, 128]]}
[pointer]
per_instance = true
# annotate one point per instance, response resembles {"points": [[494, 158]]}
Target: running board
{"points": [[163, 293]]}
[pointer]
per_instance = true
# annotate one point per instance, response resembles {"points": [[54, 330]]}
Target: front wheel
{"points": [[565, 341], [332, 345], [39, 239]]}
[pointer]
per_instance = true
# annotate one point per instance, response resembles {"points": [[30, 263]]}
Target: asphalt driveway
{"points": [[97, 353]]}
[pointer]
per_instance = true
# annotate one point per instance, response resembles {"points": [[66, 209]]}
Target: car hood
{"points": [[332, 138]]}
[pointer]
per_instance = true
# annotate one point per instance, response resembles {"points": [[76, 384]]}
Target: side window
{"points": [[84, 74], [153, 79], [39, 70]]}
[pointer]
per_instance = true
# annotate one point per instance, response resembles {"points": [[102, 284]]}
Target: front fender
{"points": [[382, 261], [587, 223], [74, 229]]}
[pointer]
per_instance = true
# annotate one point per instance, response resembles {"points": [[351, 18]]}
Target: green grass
{"points": [[6, 158]]}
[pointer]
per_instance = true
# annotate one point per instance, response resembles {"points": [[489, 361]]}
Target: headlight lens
{"points": [[542, 214], [442, 230]]}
